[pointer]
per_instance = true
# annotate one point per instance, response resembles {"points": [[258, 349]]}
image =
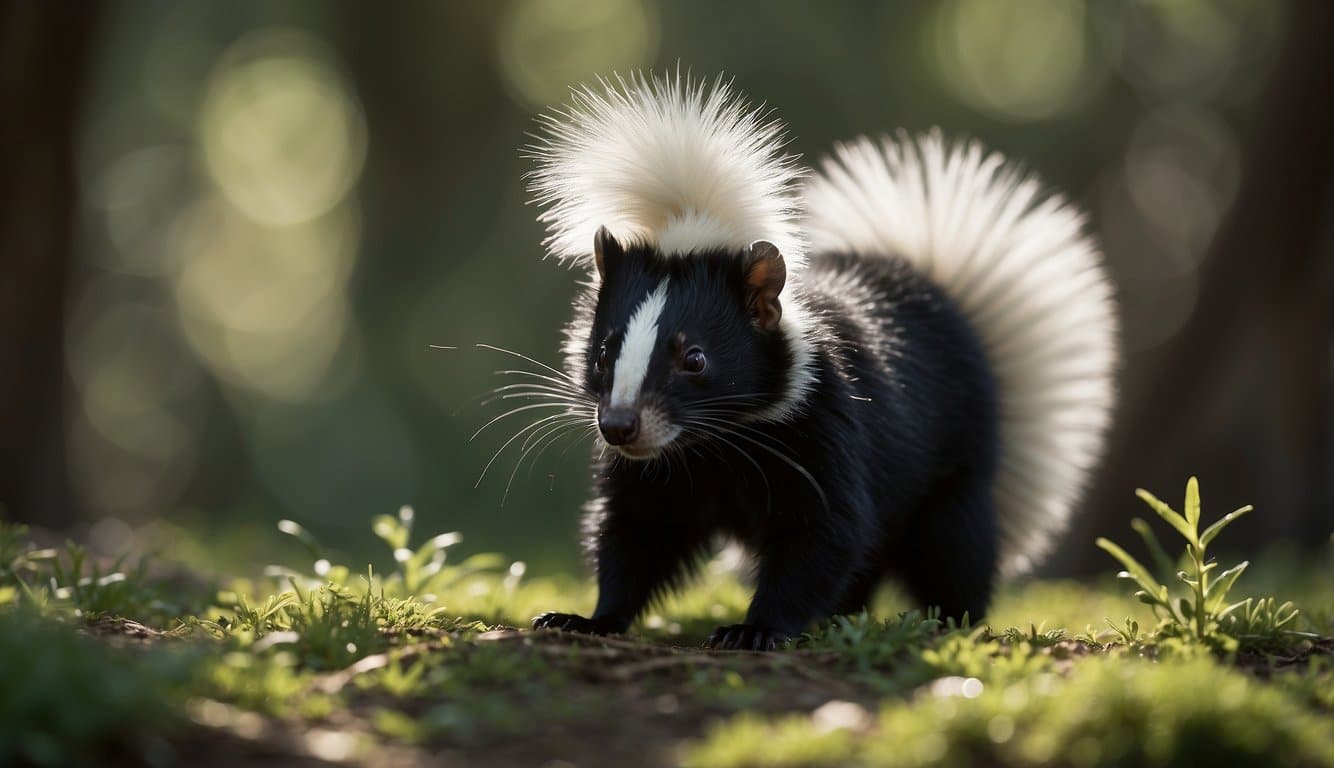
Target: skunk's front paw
{"points": [[568, 622], [746, 637]]}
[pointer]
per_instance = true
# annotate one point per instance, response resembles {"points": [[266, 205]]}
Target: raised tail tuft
{"points": [[1022, 269], [672, 163]]}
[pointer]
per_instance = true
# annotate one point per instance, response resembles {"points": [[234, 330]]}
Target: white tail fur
{"points": [[1020, 267], [667, 162]]}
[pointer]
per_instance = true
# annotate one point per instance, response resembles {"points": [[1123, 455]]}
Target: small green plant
{"points": [[869, 643], [1262, 618], [71, 580], [422, 574], [330, 616], [1128, 632], [21, 566], [1203, 614], [1037, 635]]}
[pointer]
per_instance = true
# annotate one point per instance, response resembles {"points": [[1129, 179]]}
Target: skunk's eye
{"points": [[601, 364], [694, 361]]}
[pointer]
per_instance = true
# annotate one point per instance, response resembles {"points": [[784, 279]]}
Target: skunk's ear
{"points": [[607, 252], [765, 274]]}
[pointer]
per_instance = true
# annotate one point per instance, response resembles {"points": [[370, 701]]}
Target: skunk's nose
{"points": [[620, 426]]}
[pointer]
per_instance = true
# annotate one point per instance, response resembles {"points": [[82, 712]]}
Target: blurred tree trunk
{"points": [[1241, 396], [43, 51]]}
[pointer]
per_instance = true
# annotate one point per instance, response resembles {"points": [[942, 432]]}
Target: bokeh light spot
{"points": [[545, 46], [282, 135], [136, 389], [264, 308], [133, 193], [1196, 49], [126, 364], [1183, 168], [1020, 61]]}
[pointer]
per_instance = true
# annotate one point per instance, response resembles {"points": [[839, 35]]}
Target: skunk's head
{"points": [[682, 346]]}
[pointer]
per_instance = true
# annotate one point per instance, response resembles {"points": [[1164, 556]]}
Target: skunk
{"points": [[898, 367]]}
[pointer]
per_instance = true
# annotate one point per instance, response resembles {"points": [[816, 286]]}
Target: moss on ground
{"points": [[137, 662]]}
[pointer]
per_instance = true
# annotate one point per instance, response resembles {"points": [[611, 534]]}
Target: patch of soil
{"points": [[118, 631], [626, 702], [1297, 655], [619, 701]]}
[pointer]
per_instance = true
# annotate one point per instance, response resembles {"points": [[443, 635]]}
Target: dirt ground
{"points": [[621, 702]]}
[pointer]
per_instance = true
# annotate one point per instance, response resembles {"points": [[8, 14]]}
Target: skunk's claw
{"points": [[569, 622], [746, 637]]}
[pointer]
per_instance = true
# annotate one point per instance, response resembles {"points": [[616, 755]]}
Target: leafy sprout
{"points": [[1203, 614]]}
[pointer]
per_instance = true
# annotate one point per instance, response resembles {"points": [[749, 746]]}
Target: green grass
{"points": [[1106, 711], [139, 661], [68, 699]]}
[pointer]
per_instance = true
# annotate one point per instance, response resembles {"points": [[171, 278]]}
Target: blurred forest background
{"points": [[230, 232]]}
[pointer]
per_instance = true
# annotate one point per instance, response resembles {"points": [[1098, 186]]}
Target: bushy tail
{"points": [[1022, 269], [679, 164]]}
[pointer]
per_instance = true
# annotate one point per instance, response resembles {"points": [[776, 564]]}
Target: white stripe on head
{"points": [[641, 336]]}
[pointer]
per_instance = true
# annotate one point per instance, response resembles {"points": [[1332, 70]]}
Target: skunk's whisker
{"points": [[680, 451], [712, 434], [587, 432], [549, 396], [564, 383], [569, 430], [493, 347], [514, 437], [723, 426], [722, 398], [538, 434], [534, 386], [553, 438], [524, 454], [513, 411]]}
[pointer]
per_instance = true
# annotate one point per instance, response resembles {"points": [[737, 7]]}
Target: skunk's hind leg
{"points": [[948, 556], [857, 597]]}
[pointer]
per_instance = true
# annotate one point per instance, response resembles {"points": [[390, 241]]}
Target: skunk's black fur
{"points": [[885, 469]]}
